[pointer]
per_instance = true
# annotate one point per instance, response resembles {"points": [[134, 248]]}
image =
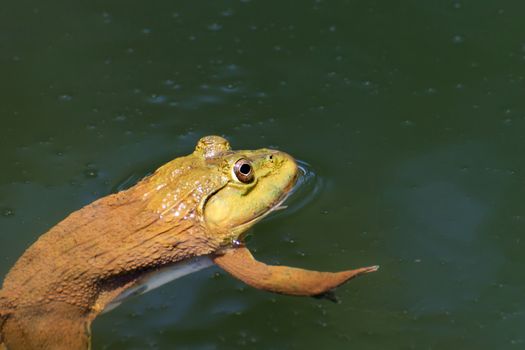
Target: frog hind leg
{"points": [[240, 263], [54, 325]]}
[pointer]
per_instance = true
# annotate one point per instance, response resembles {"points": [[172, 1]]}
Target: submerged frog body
{"points": [[188, 215]]}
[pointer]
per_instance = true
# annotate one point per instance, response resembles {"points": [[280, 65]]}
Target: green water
{"points": [[412, 117]]}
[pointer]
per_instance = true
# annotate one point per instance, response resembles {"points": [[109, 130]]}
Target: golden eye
{"points": [[243, 171]]}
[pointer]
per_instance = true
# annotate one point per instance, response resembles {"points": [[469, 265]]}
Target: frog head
{"points": [[222, 190]]}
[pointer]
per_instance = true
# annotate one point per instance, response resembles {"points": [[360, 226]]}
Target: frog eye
{"points": [[243, 170]]}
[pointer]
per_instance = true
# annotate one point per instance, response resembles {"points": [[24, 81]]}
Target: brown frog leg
{"points": [[240, 263]]}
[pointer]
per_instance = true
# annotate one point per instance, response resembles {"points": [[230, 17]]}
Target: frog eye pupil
{"points": [[245, 169]]}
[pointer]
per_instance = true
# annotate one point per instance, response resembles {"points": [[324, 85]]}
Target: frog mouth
{"points": [[303, 177], [278, 205]]}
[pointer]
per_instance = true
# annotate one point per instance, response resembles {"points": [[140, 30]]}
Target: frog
{"points": [[191, 213]]}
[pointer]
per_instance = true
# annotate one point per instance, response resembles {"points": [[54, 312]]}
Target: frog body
{"points": [[187, 215]]}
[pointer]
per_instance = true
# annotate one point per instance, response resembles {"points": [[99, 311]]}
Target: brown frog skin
{"points": [[194, 206]]}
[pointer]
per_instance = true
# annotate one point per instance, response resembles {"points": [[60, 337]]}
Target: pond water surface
{"points": [[411, 117]]}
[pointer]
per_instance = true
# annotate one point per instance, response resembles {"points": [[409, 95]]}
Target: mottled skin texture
{"points": [[192, 206]]}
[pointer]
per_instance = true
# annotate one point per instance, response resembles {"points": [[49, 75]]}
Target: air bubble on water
{"points": [[157, 99], [458, 39], [8, 212], [407, 123], [106, 17], [146, 31], [232, 67], [230, 88], [322, 323], [227, 13], [215, 27], [91, 171], [65, 98]]}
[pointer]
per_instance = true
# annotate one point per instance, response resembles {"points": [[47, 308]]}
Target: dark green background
{"points": [[411, 115]]}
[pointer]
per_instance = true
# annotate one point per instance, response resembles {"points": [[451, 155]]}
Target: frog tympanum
{"points": [[189, 214]]}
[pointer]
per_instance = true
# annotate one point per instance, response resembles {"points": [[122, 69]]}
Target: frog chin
{"points": [[240, 229]]}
